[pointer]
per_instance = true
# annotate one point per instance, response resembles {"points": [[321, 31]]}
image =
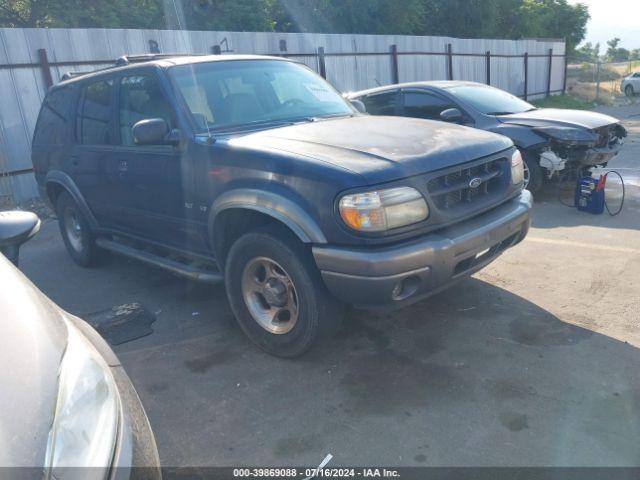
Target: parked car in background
{"points": [[550, 140], [256, 171], [67, 407], [630, 84]]}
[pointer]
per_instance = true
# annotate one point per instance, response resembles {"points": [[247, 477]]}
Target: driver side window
{"points": [[141, 98], [425, 105]]}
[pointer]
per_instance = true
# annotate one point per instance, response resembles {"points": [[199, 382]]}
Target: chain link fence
{"points": [[600, 82]]}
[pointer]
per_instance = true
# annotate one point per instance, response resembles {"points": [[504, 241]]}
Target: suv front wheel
{"points": [[276, 292]]}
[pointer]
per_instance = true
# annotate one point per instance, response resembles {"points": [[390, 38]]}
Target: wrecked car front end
{"points": [[565, 139], [580, 146]]}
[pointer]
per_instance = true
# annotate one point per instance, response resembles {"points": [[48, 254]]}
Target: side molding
{"points": [[65, 181], [274, 205]]}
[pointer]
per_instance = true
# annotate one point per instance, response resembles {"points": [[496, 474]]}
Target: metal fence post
{"points": [[395, 74], [45, 67], [598, 81], [322, 67], [549, 72], [488, 65], [564, 78], [449, 62], [526, 74]]}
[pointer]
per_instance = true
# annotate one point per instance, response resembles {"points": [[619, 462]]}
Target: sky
{"points": [[613, 18]]}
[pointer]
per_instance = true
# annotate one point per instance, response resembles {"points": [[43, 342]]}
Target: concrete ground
{"points": [[533, 361]]}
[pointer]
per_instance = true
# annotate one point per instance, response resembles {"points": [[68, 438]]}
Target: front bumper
{"points": [[598, 156], [402, 273]]}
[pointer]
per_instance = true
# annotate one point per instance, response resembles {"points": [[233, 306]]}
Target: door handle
{"points": [[123, 166]]}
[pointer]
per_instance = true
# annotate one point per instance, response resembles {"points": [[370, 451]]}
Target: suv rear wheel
{"points": [[75, 231], [276, 292]]}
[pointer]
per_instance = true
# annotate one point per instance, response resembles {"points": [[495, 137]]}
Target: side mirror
{"points": [[151, 131], [452, 115], [16, 227], [359, 105]]}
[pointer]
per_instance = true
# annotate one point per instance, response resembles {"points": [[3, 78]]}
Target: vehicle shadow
{"points": [[476, 366]]}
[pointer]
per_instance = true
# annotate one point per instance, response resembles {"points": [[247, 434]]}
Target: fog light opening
{"points": [[406, 287]]}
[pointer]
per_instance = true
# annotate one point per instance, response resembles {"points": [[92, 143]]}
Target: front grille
{"points": [[452, 190]]}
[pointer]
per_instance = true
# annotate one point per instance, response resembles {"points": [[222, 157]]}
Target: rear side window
{"points": [[425, 105], [54, 119], [381, 103], [95, 113]]}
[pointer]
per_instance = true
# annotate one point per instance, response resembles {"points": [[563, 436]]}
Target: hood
{"points": [[559, 117], [33, 338], [380, 149]]}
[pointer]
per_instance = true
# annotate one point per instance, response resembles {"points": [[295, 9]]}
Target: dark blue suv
{"points": [[256, 172]]}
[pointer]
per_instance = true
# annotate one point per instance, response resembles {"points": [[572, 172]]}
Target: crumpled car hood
{"points": [[380, 148], [559, 117]]}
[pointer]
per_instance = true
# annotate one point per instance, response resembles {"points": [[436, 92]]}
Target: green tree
{"points": [[511, 19], [587, 52], [616, 53], [80, 13]]}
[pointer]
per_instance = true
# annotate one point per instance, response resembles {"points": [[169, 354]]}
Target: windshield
{"points": [[223, 95], [491, 101]]}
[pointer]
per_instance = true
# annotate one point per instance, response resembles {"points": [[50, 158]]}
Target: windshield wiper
{"points": [[500, 113], [259, 123], [278, 122], [334, 115]]}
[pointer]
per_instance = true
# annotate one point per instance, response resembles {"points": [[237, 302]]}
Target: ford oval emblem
{"points": [[475, 182]]}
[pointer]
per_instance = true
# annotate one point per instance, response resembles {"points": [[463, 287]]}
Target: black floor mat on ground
{"points": [[123, 323]]}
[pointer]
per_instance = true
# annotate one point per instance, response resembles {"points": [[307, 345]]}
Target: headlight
{"points": [[517, 168], [381, 210], [85, 425], [568, 134]]}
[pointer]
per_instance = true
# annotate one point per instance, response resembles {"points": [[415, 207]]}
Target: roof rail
{"points": [[129, 59], [147, 57]]}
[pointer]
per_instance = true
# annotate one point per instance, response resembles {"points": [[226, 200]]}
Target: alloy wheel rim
{"points": [[73, 228], [270, 295]]}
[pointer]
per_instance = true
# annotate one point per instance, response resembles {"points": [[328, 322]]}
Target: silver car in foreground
{"points": [[65, 402]]}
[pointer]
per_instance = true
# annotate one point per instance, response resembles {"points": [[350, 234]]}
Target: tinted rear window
{"points": [[54, 119]]}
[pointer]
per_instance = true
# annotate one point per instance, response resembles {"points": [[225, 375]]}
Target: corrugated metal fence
{"points": [[30, 59]]}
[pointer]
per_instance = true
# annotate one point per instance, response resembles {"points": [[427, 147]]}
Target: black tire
{"points": [[628, 90], [81, 242], [535, 174], [318, 313]]}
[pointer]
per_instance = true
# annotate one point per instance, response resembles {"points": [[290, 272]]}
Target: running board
{"points": [[179, 268]]}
